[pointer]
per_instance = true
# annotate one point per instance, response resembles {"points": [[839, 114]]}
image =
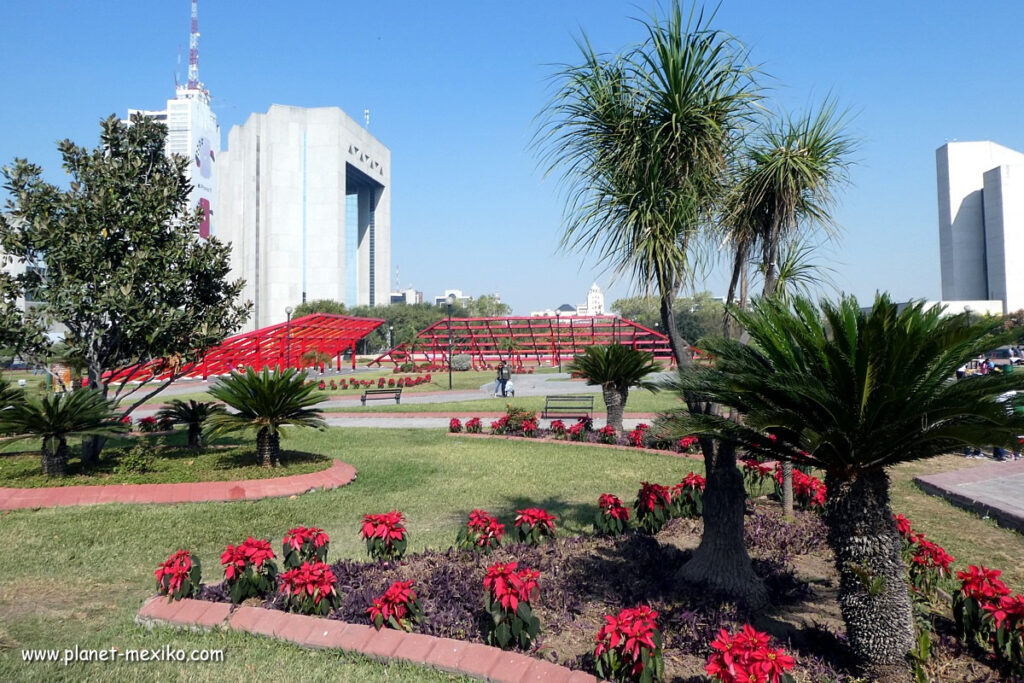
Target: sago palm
{"points": [[264, 402], [56, 417], [192, 414], [9, 394], [853, 393], [615, 368]]}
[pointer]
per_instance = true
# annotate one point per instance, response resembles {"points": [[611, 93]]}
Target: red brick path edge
{"points": [[454, 656], [567, 442], [338, 474]]}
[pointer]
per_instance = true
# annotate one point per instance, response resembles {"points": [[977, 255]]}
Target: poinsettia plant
{"points": [[612, 516], [607, 435], [148, 424], [747, 656], [455, 425], [509, 592], [530, 427], [473, 426], [558, 429], [689, 445], [311, 588], [482, 532], [1008, 638], [755, 476], [303, 544], [980, 588], [249, 569], [534, 525], [637, 436], [578, 432], [179, 576], [385, 535], [653, 504], [629, 647], [398, 608], [808, 491], [688, 496], [927, 561]]}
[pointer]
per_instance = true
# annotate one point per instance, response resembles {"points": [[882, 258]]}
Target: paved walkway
{"points": [[995, 490], [334, 476]]}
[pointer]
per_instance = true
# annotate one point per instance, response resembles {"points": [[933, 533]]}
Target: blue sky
{"points": [[453, 88]]}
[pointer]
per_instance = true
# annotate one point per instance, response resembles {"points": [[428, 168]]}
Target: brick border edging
{"points": [[567, 442], [454, 656], [338, 474]]}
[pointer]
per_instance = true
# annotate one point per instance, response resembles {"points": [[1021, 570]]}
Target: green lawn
{"points": [[640, 401]]}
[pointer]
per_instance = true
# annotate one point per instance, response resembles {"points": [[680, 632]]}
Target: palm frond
{"points": [[616, 366], [264, 400]]}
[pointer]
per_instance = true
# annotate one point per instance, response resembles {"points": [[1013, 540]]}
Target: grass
{"points": [[172, 462], [640, 401]]}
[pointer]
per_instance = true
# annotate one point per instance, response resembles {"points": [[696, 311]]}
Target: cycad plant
{"points": [[615, 368], [854, 392], [9, 395], [192, 414], [264, 402], [54, 418]]}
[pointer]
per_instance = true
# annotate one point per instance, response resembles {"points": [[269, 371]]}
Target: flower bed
{"points": [[359, 384]]}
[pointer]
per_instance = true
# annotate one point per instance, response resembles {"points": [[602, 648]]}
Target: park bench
{"points": [[374, 394], [573, 406]]}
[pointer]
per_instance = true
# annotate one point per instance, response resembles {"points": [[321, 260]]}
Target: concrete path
{"points": [[995, 490]]}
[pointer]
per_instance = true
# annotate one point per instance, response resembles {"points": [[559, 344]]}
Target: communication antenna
{"points": [[193, 50], [177, 68], [398, 287], [366, 112]]}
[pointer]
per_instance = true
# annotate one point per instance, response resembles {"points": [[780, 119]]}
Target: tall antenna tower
{"points": [[193, 50]]}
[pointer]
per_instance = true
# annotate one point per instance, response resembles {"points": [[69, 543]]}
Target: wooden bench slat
{"points": [[376, 394], [568, 405]]}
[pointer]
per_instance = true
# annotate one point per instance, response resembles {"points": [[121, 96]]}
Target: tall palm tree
{"points": [[264, 402], [193, 414], [853, 393], [615, 368], [54, 418], [643, 141]]}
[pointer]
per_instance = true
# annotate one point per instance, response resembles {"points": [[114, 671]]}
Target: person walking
{"points": [[504, 375]]}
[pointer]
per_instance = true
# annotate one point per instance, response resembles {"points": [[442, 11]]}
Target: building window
{"points": [[352, 250]]}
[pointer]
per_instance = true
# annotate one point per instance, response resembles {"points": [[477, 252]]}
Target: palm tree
{"points": [[643, 141], [54, 418], [264, 402], [194, 414], [853, 393], [9, 395], [615, 368]]}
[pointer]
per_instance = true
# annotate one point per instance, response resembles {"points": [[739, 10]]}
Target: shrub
{"points": [[530, 428], [747, 657], [607, 434], [407, 367], [321, 385], [638, 434], [689, 445], [148, 425], [165, 424], [334, 385], [498, 426], [688, 496], [473, 426], [303, 544], [612, 516], [397, 608], [514, 418], [533, 525], [980, 588], [558, 429], [310, 589], [482, 532], [179, 576], [509, 591], [138, 460], [391, 382], [455, 425], [385, 535], [578, 432], [462, 362], [629, 646], [249, 569], [652, 507]]}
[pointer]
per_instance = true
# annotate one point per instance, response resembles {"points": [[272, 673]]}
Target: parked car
{"points": [[1006, 355]]}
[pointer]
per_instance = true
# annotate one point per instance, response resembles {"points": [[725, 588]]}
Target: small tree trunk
{"points": [[679, 346], [738, 265], [721, 562], [55, 457], [93, 445], [195, 436], [873, 593], [787, 488], [615, 403], [268, 447]]}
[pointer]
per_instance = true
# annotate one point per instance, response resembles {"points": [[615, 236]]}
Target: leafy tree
{"points": [[854, 393], [54, 418], [643, 141], [696, 316], [192, 414], [124, 270], [487, 306], [320, 306], [264, 402], [615, 368]]}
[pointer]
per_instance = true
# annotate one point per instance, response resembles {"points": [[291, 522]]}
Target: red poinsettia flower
{"points": [[313, 579], [388, 526], [297, 537], [250, 552], [535, 516], [176, 569], [652, 496], [612, 507]]}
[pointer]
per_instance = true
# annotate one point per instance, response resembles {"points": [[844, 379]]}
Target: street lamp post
{"points": [[558, 338], [391, 331], [451, 300], [288, 337]]}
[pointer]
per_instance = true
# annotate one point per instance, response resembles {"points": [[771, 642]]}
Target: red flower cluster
{"points": [[473, 426], [808, 491], [636, 437], [454, 425], [653, 496], [148, 424], [1008, 612], [387, 527], [297, 537], [249, 552], [127, 420], [172, 574], [903, 527], [688, 444], [759, 469], [692, 482], [612, 506], [930, 555], [315, 580], [558, 428], [398, 606], [746, 657], [483, 529], [508, 585], [606, 434], [536, 517], [578, 431], [928, 561], [982, 584], [530, 427], [634, 637]]}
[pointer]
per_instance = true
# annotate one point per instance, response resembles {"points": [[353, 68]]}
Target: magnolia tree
{"points": [[118, 261]]}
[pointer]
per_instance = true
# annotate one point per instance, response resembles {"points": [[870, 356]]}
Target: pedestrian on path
{"points": [[504, 375]]}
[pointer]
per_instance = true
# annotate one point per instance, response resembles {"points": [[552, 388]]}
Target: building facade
{"points": [[304, 199], [981, 222]]}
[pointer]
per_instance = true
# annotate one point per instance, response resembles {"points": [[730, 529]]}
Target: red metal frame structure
{"points": [[523, 340], [281, 345]]}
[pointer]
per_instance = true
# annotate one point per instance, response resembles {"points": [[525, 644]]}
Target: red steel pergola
{"points": [[281, 345], [521, 340]]}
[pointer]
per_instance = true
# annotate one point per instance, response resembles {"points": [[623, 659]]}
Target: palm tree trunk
{"points": [[721, 562], [739, 261], [873, 593], [787, 488], [54, 457], [680, 349], [195, 436], [268, 447], [615, 404]]}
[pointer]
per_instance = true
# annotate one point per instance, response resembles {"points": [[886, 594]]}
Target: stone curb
{"points": [[338, 474], [567, 442], [478, 661]]}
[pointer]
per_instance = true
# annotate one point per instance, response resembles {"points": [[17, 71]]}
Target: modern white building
{"points": [[304, 199], [981, 223], [459, 296], [407, 296], [595, 301]]}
